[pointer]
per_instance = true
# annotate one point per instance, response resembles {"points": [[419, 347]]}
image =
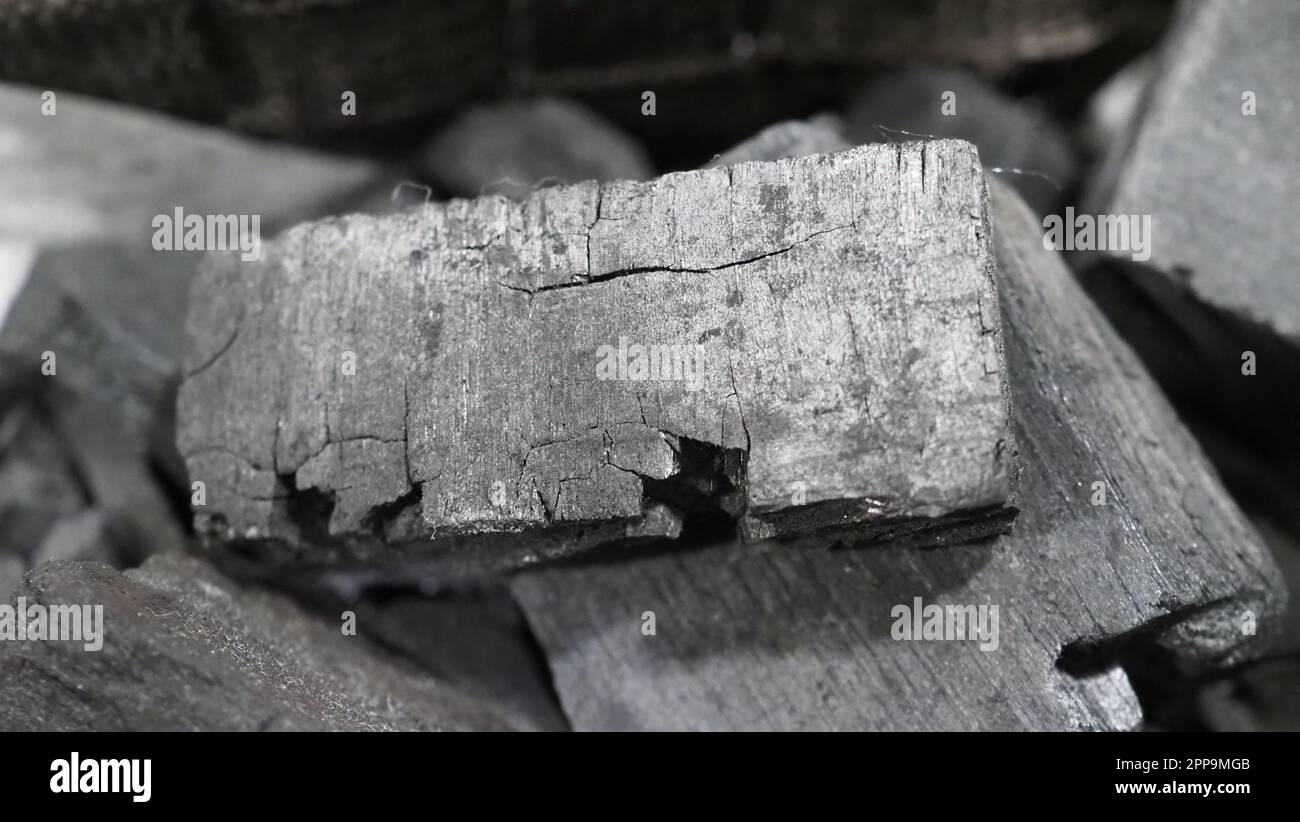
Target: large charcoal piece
{"points": [[810, 345], [1162, 570], [180, 648]]}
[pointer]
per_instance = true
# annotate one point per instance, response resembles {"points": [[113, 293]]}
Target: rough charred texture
{"points": [[185, 650], [226, 60], [1165, 572], [810, 344], [516, 147]]}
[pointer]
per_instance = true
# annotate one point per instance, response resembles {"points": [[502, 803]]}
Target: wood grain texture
{"points": [[834, 316], [184, 650], [780, 636]]}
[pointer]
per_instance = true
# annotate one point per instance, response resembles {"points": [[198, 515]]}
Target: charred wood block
{"points": [[1126, 551], [810, 345]]}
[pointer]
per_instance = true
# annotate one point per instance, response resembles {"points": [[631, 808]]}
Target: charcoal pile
{"points": [[735, 366]]}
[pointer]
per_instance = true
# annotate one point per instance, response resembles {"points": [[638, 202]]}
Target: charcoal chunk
{"points": [[811, 345], [806, 636]]}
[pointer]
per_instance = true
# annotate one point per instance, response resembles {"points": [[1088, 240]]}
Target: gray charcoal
{"points": [[835, 314], [185, 650], [779, 636], [1010, 134], [516, 147]]}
